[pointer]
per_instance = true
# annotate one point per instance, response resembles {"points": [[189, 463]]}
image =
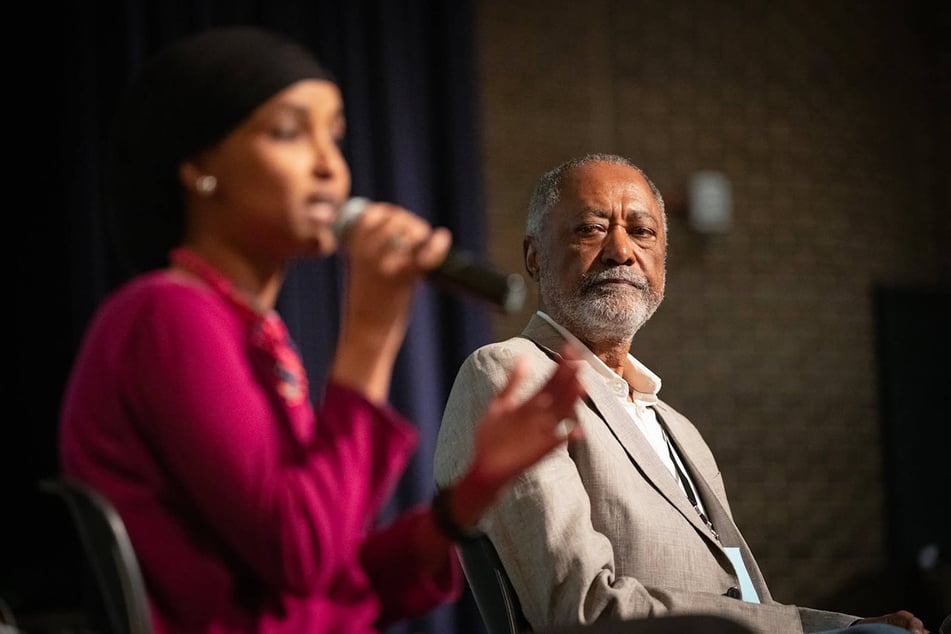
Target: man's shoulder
{"points": [[504, 353], [518, 342], [488, 369]]}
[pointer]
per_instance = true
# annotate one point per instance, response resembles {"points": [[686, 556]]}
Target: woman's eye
{"points": [[285, 132]]}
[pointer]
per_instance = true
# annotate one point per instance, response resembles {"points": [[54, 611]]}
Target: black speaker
{"points": [[913, 328]]}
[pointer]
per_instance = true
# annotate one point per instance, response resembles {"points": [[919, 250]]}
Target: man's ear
{"points": [[530, 256]]}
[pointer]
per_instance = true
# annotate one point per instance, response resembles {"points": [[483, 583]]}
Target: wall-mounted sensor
{"points": [[709, 202]]}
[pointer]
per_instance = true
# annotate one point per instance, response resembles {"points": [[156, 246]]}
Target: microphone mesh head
{"points": [[347, 215]]}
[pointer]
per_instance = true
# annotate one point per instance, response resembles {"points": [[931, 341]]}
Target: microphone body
{"points": [[460, 273]]}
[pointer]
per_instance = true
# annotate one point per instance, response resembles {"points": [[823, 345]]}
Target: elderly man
{"points": [[632, 520]]}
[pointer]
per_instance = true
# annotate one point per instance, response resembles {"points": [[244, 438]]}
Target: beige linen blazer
{"points": [[600, 529]]}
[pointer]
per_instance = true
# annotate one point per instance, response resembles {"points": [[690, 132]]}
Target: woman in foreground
{"points": [[249, 496]]}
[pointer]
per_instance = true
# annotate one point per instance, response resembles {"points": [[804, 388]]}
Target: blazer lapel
{"points": [[641, 453]]}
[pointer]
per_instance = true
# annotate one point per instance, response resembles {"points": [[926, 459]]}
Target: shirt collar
{"points": [[638, 379]]}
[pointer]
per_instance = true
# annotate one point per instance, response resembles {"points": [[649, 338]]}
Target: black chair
{"points": [[491, 588], [118, 603]]}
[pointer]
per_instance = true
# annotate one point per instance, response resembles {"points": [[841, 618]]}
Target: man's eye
{"points": [[642, 232], [589, 230]]}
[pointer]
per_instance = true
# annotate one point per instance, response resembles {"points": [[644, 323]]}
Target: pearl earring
{"points": [[206, 185]]}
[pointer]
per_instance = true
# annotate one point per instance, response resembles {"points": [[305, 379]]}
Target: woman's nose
{"points": [[327, 158], [330, 164]]}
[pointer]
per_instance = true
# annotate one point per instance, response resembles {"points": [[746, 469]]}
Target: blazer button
{"points": [[733, 592]]}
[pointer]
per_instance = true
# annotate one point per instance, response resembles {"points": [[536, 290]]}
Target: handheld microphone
{"points": [[460, 272]]}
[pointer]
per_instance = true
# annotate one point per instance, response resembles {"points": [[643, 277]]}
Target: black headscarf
{"points": [[185, 99]]}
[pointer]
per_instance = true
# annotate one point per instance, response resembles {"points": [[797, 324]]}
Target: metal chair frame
{"points": [[108, 555]]}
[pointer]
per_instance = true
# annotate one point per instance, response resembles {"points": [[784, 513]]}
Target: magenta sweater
{"points": [[248, 512]]}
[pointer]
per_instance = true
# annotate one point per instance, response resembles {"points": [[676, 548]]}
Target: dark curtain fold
{"points": [[407, 72]]}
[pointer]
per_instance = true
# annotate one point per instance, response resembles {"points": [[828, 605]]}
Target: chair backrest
{"points": [[491, 588], [122, 606]]}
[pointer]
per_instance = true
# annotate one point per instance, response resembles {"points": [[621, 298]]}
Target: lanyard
{"points": [[688, 488]]}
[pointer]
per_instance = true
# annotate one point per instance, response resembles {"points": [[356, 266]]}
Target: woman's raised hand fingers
{"points": [[396, 240]]}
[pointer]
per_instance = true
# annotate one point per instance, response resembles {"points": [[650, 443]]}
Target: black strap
{"points": [[688, 488], [445, 522]]}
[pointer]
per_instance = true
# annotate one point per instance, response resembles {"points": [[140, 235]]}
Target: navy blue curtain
{"points": [[407, 73]]}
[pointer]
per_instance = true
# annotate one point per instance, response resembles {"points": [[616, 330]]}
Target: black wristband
{"points": [[444, 520]]}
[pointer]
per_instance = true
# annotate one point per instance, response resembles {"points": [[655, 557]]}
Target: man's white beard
{"points": [[597, 313]]}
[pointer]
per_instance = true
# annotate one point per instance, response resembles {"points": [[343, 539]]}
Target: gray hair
{"points": [[548, 191]]}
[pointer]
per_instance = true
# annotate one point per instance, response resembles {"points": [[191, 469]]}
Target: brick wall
{"points": [[825, 117]]}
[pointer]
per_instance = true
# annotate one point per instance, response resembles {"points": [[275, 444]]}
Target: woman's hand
{"points": [[388, 250], [513, 436], [387, 242]]}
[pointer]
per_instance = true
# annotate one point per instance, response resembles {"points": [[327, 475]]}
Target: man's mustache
{"points": [[624, 274]]}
